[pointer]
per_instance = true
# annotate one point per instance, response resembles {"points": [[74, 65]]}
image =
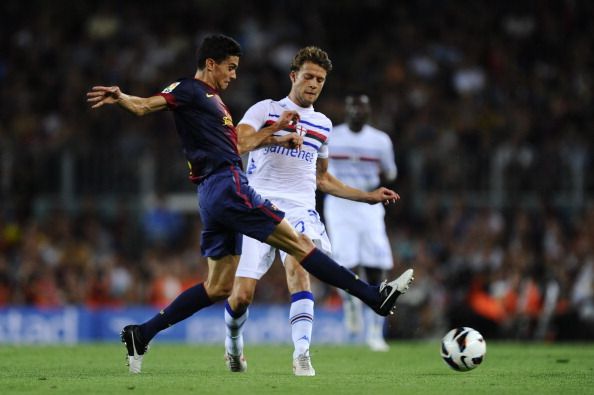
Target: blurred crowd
{"points": [[463, 88]]}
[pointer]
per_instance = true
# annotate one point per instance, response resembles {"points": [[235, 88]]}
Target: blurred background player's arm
{"points": [[388, 167], [100, 95], [331, 185]]}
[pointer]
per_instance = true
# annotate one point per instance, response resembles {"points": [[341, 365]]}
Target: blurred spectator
{"points": [[161, 225]]}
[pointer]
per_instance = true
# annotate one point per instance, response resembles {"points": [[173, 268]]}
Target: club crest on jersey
{"points": [[300, 130], [170, 87], [227, 121]]}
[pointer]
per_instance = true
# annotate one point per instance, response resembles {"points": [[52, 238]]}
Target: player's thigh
{"points": [[221, 274], [285, 238], [256, 258], [217, 239], [228, 202], [307, 222]]}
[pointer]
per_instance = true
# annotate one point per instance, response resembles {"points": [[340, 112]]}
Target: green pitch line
{"points": [[408, 368]]}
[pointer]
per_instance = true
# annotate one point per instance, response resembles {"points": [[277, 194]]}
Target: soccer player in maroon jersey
{"points": [[228, 206]]}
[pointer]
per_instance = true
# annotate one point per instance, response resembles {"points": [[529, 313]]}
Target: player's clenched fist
{"points": [[287, 118], [291, 141]]}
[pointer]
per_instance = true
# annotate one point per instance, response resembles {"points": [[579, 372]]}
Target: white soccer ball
{"points": [[463, 349]]}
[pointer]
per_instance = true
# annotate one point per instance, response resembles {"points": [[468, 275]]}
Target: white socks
{"points": [[234, 331], [301, 318]]}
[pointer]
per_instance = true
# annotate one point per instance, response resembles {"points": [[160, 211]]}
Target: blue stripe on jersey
{"points": [[305, 122], [315, 126], [312, 145]]}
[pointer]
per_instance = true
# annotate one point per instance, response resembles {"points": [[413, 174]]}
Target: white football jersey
{"points": [[357, 230], [357, 159], [281, 173]]}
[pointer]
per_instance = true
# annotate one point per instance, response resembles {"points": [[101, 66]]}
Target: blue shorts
{"points": [[229, 208]]}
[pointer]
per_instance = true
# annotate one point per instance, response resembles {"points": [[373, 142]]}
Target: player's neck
{"points": [[356, 128], [295, 101], [205, 77]]}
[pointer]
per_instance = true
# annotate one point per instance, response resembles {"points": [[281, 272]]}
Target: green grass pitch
{"points": [[408, 368]]}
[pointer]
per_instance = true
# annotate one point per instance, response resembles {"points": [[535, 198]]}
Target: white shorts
{"points": [[359, 236], [257, 257]]}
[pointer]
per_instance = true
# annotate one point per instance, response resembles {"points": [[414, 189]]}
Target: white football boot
{"points": [[302, 365]]}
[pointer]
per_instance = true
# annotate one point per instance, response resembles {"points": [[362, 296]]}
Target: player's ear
{"points": [[210, 64], [293, 76]]}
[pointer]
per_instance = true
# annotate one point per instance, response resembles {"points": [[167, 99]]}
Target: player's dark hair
{"points": [[314, 55], [217, 47]]}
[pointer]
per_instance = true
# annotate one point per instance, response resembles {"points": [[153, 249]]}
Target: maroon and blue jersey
{"points": [[204, 125], [229, 207]]}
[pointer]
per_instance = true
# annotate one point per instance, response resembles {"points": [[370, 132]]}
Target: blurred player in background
{"points": [[228, 206], [288, 179], [363, 157]]}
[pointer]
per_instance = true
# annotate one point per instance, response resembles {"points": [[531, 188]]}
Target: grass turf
{"points": [[408, 368]]}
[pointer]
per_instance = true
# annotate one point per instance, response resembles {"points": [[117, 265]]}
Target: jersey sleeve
{"points": [[178, 94], [256, 115], [324, 151], [388, 163]]}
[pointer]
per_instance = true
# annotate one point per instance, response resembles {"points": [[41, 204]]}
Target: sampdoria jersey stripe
{"points": [[315, 135], [315, 126], [309, 134], [304, 122]]}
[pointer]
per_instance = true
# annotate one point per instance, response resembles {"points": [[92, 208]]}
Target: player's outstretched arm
{"points": [[249, 139], [331, 185], [101, 95]]}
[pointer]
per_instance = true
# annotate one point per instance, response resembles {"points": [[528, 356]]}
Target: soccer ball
{"points": [[463, 349]]}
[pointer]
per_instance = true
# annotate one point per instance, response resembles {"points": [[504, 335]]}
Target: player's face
{"points": [[224, 72], [308, 82], [357, 111]]}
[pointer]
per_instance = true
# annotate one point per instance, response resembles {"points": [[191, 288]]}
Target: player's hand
{"points": [[384, 195], [100, 95], [290, 140], [287, 118]]}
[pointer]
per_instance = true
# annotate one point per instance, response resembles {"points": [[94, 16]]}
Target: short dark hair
{"points": [[314, 55], [217, 47]]}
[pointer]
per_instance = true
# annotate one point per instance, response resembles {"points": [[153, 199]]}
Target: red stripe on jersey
{"points": [[340, 157], [169, 98], [368, 159], [309, 133], [270, 214], [318, 136], [359, 158]]}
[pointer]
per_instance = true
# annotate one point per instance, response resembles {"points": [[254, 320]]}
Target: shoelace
{"points": [[304, 361], [234, 362]]}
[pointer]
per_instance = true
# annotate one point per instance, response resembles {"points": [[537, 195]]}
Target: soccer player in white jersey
{"points": [[362, 156], [288, 178]]}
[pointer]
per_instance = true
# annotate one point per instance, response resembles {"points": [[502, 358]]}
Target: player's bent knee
{"points": [[218, 292], [241, 299]]}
